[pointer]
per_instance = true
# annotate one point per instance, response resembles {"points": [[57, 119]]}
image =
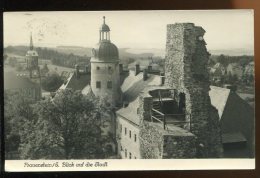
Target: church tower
{"points": [[31, 58], [32, 61], [105, 75]]}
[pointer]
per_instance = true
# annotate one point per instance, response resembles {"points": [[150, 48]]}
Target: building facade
{"points": [[105, 76]]}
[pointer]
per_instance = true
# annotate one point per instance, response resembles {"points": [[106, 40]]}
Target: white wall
{"points": [[126, 142]]}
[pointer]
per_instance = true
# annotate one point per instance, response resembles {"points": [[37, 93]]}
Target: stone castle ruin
{"points": [[191, 126]]}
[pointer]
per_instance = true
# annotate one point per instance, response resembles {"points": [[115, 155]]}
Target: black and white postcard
{"points": [[129, 90]]}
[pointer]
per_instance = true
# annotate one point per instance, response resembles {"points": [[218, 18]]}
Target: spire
{"points": [[104, 19], [31, 42], [104, 34]]}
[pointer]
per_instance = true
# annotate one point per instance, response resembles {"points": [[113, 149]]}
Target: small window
{"points": [[129, 133], [126, 153], [121, 128], [98, 84], [121, 148], [109, 84], [125, 130], [98, 67], [109, 68], [135, 157], [135, 138], [130, 155]]}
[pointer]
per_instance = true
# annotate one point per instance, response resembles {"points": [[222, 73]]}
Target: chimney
{"points": [[162, 78], [145, 76], [137, 69], [86, 68], [77, 70], [120, 68], [150, 68]]}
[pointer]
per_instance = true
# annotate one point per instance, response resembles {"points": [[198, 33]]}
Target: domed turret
{"points": [[104, 27], [105, 51], [105, 77]]}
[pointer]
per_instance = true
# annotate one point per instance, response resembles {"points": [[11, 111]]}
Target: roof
{"points": [[219, 97], [105, 51], [105, 28], [134, 84], [233, 137], [130, 112], [12, 81], [76, 83]]}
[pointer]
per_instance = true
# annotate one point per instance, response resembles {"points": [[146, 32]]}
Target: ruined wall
{"points": [[157, 143], [186, 71], [174, 147]]}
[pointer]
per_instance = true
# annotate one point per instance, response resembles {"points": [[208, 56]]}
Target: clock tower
{"points": [[105, 77]]}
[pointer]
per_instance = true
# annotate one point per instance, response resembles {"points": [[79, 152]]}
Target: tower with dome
{"points": [[105, 76]]}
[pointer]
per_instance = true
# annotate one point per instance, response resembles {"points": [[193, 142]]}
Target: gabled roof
{"points": [[134, 84], [219, 97], [76, 83]]}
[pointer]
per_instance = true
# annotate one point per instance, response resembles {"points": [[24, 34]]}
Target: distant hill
{"points": [[232, 52], [125, 53]]}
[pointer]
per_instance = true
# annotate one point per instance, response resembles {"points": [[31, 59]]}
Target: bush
{"points": [[52, 82]]}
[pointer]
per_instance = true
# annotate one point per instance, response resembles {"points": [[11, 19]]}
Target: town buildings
{"points": [[173, 114]]}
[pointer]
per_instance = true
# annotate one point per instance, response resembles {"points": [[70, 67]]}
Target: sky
{"points": [[225, 29]]}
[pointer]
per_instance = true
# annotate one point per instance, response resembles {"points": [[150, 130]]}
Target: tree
{"points": [[52, 82], [68, 127], [19, 116], [45, 69]]}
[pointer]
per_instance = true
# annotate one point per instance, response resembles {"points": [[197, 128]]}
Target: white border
{"points": [[135, 164]]}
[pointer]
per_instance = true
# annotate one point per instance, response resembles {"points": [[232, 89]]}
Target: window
{"points": [[109, 68], [98, 67], [126, 153], [135, 138], [125, 130], [121, 148], [129, 133], [130, 155], [121, 128], [98, 84], [109, 84], [135, 157]]}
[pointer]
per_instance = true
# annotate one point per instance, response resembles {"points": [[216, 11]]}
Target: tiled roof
{"points": [[233, 137], [77, 83], [130, 112], [134, 84]]}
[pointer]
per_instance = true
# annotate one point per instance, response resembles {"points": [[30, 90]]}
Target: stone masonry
{"points": [[157, 143], [186, 71]]}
